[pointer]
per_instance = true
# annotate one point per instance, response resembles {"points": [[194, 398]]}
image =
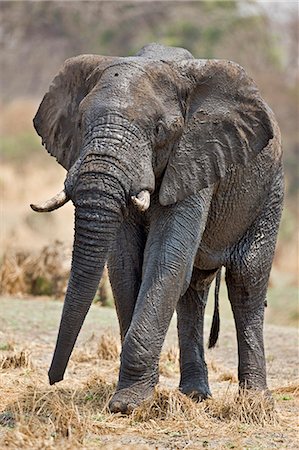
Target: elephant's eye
{"points": [[161, 132]]}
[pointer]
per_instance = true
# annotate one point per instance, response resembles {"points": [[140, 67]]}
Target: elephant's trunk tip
{"points": [[53, 203], [54, 378]]}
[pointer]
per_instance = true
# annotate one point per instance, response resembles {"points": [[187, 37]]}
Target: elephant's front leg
{"points": [[173, 239], [125, 269]]}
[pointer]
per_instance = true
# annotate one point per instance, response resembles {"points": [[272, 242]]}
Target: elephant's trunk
{"points": [[94, 232]]}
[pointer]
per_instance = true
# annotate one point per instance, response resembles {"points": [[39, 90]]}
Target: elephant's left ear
{"points": [[226, 123], [57, 119]]}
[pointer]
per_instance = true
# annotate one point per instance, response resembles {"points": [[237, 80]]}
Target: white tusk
{"points": [[54, 203], [142, 200]]}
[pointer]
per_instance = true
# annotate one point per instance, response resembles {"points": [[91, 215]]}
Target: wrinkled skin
{"points": [[198, 137]]}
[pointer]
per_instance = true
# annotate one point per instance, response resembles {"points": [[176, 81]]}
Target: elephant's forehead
{"points": [[121, 81], [133, 68]]}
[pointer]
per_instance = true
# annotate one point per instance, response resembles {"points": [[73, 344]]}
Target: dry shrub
{"points": [[16, 360], [108, 347], [12, 273], [167, 404], [43, 273], [248, 406]]}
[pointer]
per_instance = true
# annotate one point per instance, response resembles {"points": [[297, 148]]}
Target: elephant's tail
{"points": [[214, 333]]}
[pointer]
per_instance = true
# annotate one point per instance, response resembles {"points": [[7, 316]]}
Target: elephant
{"points": [[174, 167]]}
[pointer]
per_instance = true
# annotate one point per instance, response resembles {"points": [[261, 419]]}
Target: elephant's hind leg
{"points": [[248, 309], [247, 278], [190, 316]]}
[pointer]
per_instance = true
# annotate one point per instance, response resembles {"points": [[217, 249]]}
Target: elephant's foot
{"points": [[126, 399], [195, 388], [194, 382]]}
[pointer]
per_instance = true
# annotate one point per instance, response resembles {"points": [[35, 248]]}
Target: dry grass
{"points": [[227, 376], [291, 389], [243, 407], [16, 360], [16, 116], [9, 345], [168, 405], [169, 362], [108, 347], [248, 407], [73, 416], [48, 418], [213, 366]]}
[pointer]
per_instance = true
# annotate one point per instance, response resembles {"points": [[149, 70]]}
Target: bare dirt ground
{"points": [[74, 413]]}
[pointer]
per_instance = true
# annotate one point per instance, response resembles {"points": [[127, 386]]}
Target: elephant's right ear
{"points": [[56, 120]]}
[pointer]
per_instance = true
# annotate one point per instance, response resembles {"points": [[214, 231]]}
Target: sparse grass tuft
{"points": [[98, 393], [108, 347], [227, 376], [7, 346], [290, 389], [250, 407], [213, 366], [16, 360], [167, 404]]}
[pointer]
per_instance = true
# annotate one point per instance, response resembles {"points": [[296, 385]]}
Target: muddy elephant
{"points": [[174, 168]]}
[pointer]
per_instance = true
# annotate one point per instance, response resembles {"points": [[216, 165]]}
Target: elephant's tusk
{"points": [[142, 200], [54, 203]]}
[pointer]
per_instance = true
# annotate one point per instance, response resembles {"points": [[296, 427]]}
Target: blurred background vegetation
{"points": [[35, 39]]}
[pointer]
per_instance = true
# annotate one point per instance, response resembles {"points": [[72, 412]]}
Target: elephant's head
{"points": [[123, 127]]}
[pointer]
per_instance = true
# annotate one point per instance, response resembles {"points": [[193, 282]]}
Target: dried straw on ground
{"points": [[74, 415], [15, 360]]}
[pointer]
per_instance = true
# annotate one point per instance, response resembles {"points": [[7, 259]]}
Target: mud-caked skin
{"points": [[197, 136]]}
